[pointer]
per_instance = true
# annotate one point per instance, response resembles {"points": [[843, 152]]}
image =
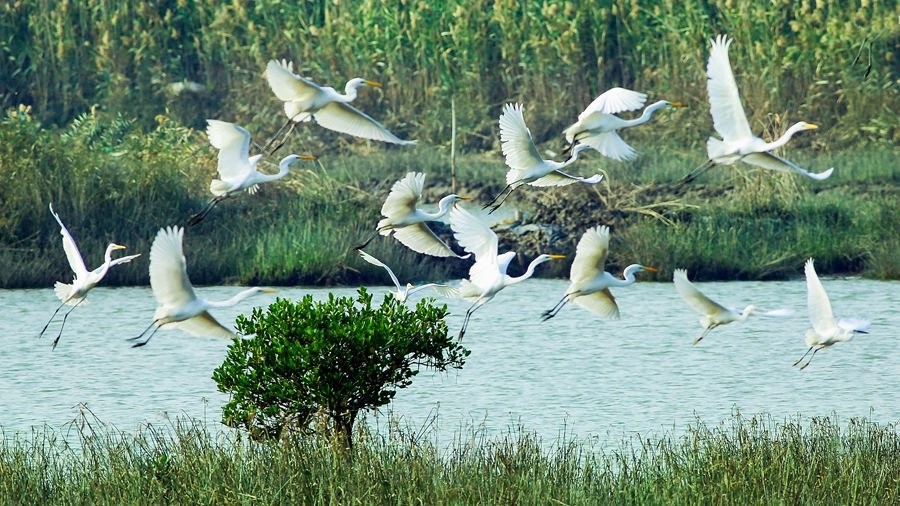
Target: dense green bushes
{"points": [[109, 180], [304, 365]]}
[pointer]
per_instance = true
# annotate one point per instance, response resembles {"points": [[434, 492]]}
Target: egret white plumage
{"points": [[487, 276], [74, 294], [598, 125], [408, 223], [237, 169], [589, 283], [738, 141], [305, 100], [403, 292], [526, 166], [712, 313], [179, 307], [826, 329]]}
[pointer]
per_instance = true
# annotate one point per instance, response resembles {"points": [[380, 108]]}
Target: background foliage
{"points": [[103, 102], [194, 59]]}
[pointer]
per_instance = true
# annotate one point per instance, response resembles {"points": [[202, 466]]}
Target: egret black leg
{"points": [[197, 218], [804, 366], [51, 318], [550, 313], [696, 172], [804, 355], [55, 341]]}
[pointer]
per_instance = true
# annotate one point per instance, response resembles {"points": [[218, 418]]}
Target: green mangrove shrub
{"points": [[314, 365]]}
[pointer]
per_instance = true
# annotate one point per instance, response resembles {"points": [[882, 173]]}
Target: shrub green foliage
{"points": [[334, 357]]}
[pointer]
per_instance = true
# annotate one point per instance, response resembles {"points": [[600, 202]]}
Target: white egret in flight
{"points": [[407, 223], [237, 169], [403, 292], [597, 125], [74, 294], [488, 275], [526, 166], [730, 122], [826, 329], [305, 100], [178, 306], [589, 283], [712, 313]]}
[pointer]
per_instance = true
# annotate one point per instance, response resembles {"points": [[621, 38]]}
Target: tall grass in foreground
{"points": [[742, 461]]}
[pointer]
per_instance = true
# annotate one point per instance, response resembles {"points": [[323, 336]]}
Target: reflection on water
{"points": [[590, 376]]}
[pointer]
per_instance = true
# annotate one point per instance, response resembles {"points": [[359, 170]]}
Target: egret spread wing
{"points": [[609, 144], [404, 196], [123, 260], [288, 86], [474, 235], [345, 118], [728, 115], [420, 238], [72, 254], [694, 297], [168, 270], [438, 287], [203, 325], [374, 261], [769, 161], [233, 143], [615, 100], [820, 314], [518, 146], [601, 303], [590, 254], [556, 178], [854, 324]]}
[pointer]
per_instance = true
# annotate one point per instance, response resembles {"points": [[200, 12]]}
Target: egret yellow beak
{"points": [[677, 104], [651, 269], [810, 126], [268, 290], [118, 246], [308, 157], [556, 257], [374, 84], [465, 198]]}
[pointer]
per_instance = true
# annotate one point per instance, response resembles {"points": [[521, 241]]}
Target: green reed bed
{"points": [[112, 181], [194, 60], [741, 461]]}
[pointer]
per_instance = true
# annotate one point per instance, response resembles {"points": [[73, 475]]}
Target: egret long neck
{"points": [[646, 115], [528, 272], [234, 300], [284, 168], [781, 141], [107, 260], [443, 209], [628, 275]]}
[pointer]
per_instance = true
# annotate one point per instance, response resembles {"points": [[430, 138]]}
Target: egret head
{"points": [[358, 82], [802, 125]]}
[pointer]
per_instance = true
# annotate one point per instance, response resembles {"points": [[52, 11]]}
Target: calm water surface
{"points": [[595, 378]]}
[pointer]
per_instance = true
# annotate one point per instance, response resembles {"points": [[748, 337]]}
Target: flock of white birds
{"points": [[597, 128]]}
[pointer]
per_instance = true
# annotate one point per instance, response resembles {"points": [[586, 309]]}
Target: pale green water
{"points": [[598, 379]]}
